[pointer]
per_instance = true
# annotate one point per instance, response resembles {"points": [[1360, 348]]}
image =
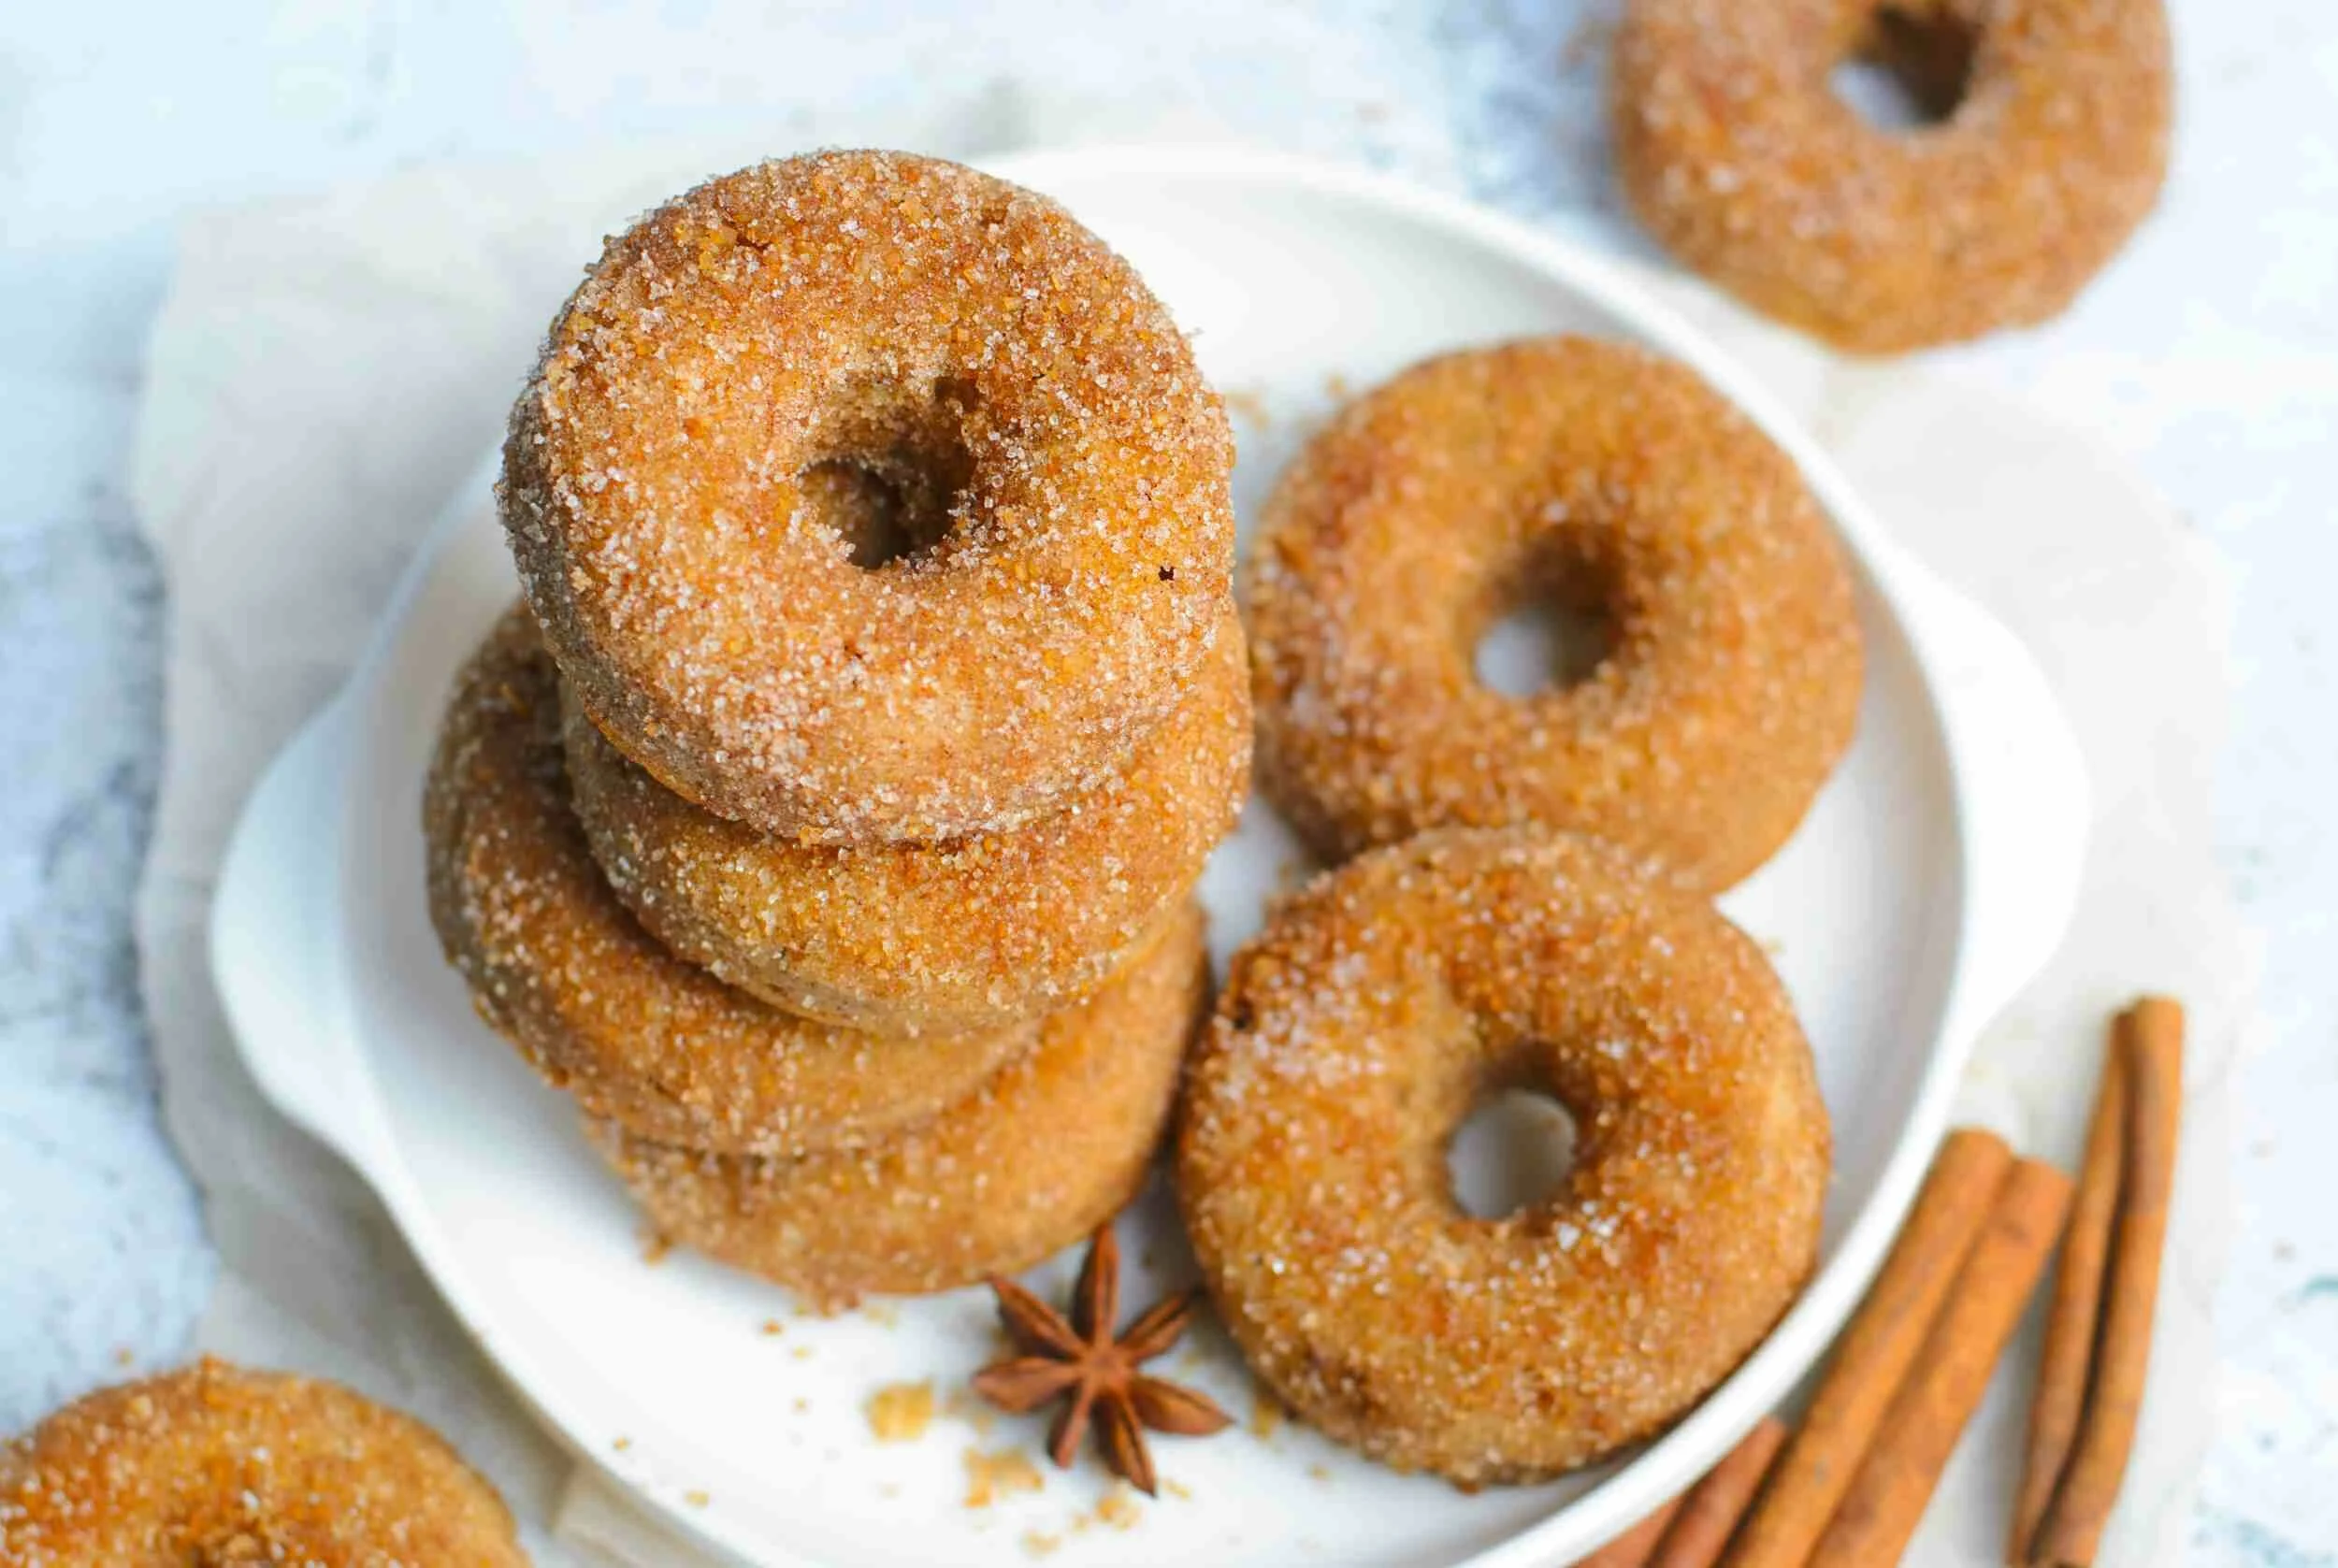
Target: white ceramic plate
{"points": [[1932, 878]]}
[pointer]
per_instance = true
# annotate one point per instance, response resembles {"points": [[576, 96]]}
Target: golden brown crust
{"points": [[214, 1465], [1355, 1034], [978, 933], [1046, 1151], [1436, 502], [556, 966], [924, 322], [1738, 156]]}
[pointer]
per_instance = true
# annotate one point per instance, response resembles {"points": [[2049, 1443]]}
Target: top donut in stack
{"points": [[876, 517]]}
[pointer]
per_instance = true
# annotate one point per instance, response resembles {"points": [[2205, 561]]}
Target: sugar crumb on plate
{"points": [[901, 1412]]}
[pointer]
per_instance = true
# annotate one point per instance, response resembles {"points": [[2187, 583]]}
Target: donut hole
{"points": [[881, 519], [1511, 1153], [1910, 67], [892, 473], [1554, 632]]}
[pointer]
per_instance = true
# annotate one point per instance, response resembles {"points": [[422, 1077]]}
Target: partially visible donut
{"points": [[1051, 1147], [951, 336], [212, 1465], [977, 933], [1353, 1037], [1739, 156], [556, 966], [1589, 471]]}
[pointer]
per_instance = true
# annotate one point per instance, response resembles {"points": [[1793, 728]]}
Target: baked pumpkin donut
{"points": [[214, 1465], [556, 966], [1351, 1040], [977, 933], [1739, 156], [672, 464], [1591, 472], [1048, 1150]]}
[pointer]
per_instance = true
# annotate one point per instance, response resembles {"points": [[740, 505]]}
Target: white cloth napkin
{"points": [[326, 371]]}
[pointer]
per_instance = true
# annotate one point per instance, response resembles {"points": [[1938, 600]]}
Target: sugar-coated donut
{"points": [[556, 965], [674, 469], [1048, 1150], [1353, 1037], [977, 933], [1592, 472], [212, 1465], [1739, 156]]}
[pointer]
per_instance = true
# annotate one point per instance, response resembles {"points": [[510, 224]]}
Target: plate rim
{"points": [[348, 1118]]}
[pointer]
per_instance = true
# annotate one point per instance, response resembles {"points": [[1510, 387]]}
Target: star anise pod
{"points": [[1095, 1372]]}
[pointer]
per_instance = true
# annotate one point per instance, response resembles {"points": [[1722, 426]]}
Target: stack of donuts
{"points": [[826, 818]]}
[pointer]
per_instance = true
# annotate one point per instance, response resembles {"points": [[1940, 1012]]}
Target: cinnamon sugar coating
{"points": [[670, 489], [1599, 473], [556, 966], [1739, 156], [215, 1465], [1356, 1033], [1044, 1152], [977, 933]]}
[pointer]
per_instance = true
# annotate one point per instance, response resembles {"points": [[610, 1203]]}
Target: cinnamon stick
{"points": [[1878, 1515], [1873, 1356], [2060, 1399], [1631, 1549], [2151, 1037], [1710, 1511]]}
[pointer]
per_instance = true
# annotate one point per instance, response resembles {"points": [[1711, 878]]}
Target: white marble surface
{"points": [[2207, 356]]}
